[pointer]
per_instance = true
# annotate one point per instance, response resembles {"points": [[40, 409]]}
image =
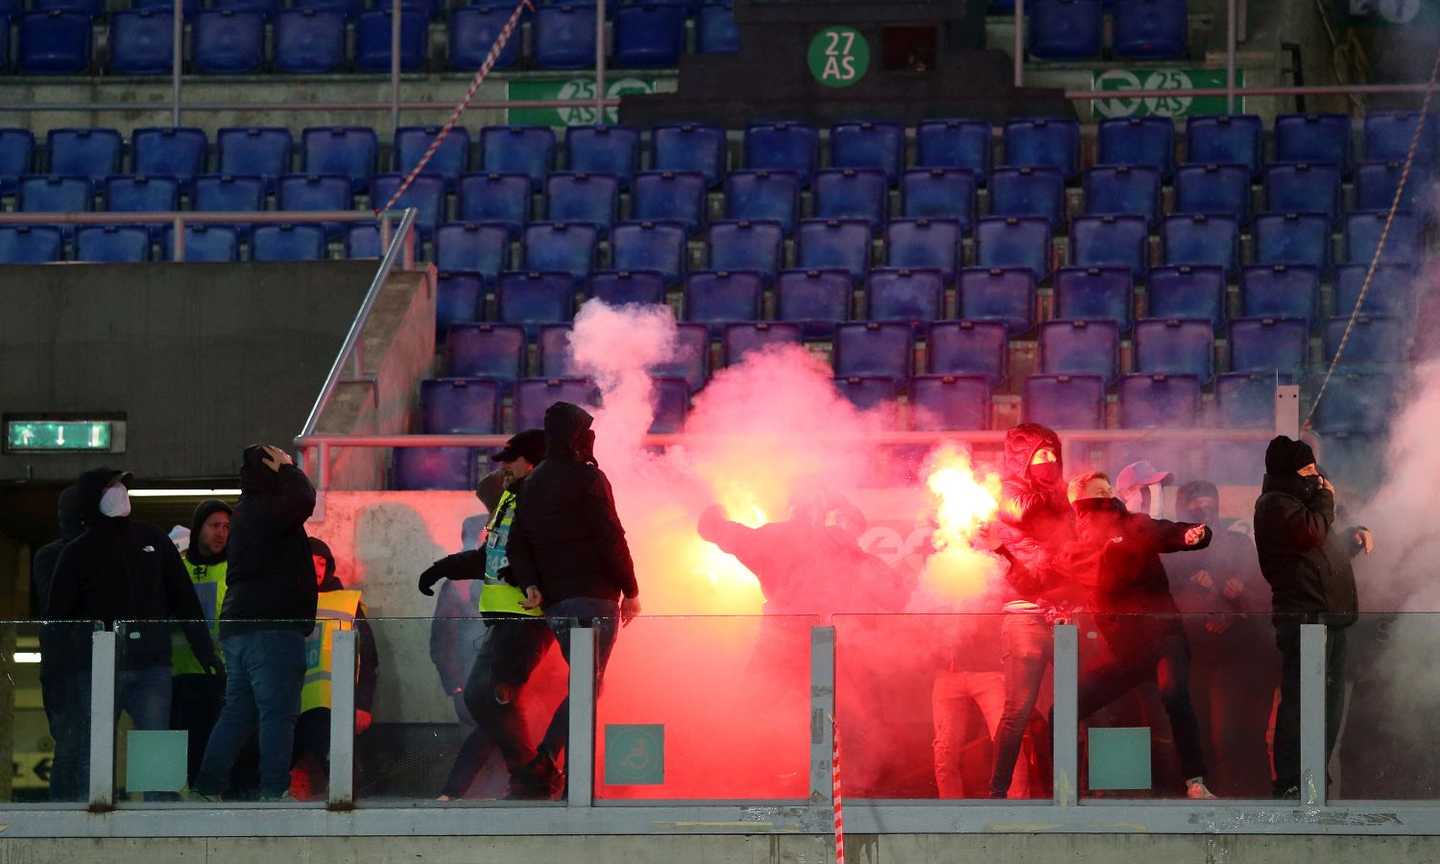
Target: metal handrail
{"points": [[210, 107]]}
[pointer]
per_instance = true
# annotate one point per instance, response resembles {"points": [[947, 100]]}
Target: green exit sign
{"points": [[54, 435]]}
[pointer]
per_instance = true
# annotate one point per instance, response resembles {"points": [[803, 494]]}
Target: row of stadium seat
{"points": [[350, 8], [1141, 29]]}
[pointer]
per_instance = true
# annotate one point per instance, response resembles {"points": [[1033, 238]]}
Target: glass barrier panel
{"points": [[45, 672]]}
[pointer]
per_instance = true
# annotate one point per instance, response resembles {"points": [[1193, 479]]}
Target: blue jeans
{"points": [[1027, 647], [266, 669], [604, 616], [144, 694]]}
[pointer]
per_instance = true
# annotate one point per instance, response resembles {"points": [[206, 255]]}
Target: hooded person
{"points": [[197, 696], [64, 655]]}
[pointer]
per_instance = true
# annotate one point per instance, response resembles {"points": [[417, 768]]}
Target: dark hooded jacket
{"points": [[270, 577], [1308, 569], [567, 539], [366, 653], [121, 570], [1035, 522], [42, 567]]}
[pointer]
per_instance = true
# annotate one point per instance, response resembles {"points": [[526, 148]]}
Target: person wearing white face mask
{"points": [[1142, 487]]}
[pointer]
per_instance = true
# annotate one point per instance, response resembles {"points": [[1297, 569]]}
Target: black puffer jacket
{"points": [[567, 539], [1035, 522], [1294, 521], [42, 567], [270, 576], [1124, 549]]}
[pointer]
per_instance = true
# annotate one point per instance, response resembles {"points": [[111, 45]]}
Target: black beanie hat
{"points": [[1287, 456]]}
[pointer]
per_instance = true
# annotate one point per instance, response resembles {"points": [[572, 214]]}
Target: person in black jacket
{"points": [[268, 611], [61, 646]]}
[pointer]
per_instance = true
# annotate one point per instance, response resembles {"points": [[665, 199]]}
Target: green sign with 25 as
{"points": [[1164, 79]]}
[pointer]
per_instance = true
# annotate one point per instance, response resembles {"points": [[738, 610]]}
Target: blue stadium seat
{"points": [[1362, 237], [483, 350], [720, 298], [1187, 292], [669, 397], [1123, 190], [141, 42], [1151, 29], [347, 151], [833, 243], [362, 241], [878, 146], [1010, 242], [181, 153], [1355, 403], [869, 392], [1376, 182], [528, 150], [1304, 188], [924, 244], [1066, 29], [1095, 294], [1049, 143], [460, 299], [1199, 241], [1174, 346], [1080, 348], [564, 37], [450, 161], [740, 339], [532, 299], [939, 193], [1213, 190], [764, 196], [223, 193], [1280, 291], [142, 195], [499, 198], [1033, 192], [1245, 400], [746, 245], [460, 406], [648, 35], [874, 349], [204, 243], [1225, 140], [613, 151], [1147, 142], [30, 244], [288, 243], [1392, 289], [852, 193], [968, 348], [902, 294], [373, 36], [112, 243], [622, 287], [553, 347], [5, 53], [963, 144], [1314, 138], [310, 41], [1065, 401], [55, 194], [1159, 402], [1269, 345], [715, 29], [268, 8], [650, 246], [815, 299], [90, 8], [228, 43], [255, 152], [690, 148], [1388, 135], [473, 31], [54, 43], [583, 198], [560, 248], [1110, 241], [430, 468], [1293, 238], [782, 147], [691, 359], [1004, 295], [92, 153], [17, 158], [949, 402], [668, 196], [1373, 341], [476, 247], [302, 193]]}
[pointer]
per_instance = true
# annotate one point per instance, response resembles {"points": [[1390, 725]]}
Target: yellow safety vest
{"points": [[497, 595], [209, 582], [335, 611]]}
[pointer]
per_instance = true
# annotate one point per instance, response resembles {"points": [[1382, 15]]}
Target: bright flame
{"points": [[957, 574]]}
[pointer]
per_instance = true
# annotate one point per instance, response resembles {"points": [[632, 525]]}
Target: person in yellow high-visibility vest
{"points": [[196, 695]]}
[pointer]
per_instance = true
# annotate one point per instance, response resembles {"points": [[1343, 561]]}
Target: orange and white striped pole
{"points": [[836, 801]]}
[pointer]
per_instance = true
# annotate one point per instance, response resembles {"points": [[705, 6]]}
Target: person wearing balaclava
{"points": [[197, 695], [61, 646]]}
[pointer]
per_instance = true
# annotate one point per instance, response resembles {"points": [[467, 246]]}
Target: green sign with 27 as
{"points": [[57, 435], [1164, 79]]}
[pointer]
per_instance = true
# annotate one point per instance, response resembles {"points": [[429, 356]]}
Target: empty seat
{"points": [[1159, 401], [874, 349], [30, 244], [1032, 192], [715, 29], [901, 294], [477, 247], [473, 31], [92, 8], [1200, 241], [92, 153], [142, 195], [1314, 138], [939, 193], [560, 248], [650, 246], [1355, 403], [1151, 29], [648, 35], [362, 241], [1304, 188], [1004, 295], [950, 402], [815, 299], [690, 148], [310, 41], [1388, 135], [1269, 345], [668, 196], [669, 397], [460, 406], [451, 158], [204, 244], [303, 193], [1403, 246], [613, 151], [222, 193], [1080, 348], [868, 392], [1174, 346], [268, 8], [1147, 142], [528, 150], [1094, 294], [1187, 292], [346, 151], [532, 299], [851, 193], [17, 157], [227, 42], [1123, 190], [1376, 182], [553, 347], [583, 198], [482, 350], [741, 339], [746, 245], [1213, 190], [55, 195], [782, 147], [564, 36], [622, 287], [1066, 29], [1245, 400], [288, 243], [499, 198], [1280, 291], [254, 152], [691, 358], [373, 35], [430, 468], [719, 298], [764, 196], [141, 42], [1391, 292], [1372, 340], [966, 145], [878, 146], [834, 243], [1065, 401], [54, 43], [1225, 140], [181, 153], [924, 244], [1110, 241], [1301, 239], [1049, 143], [1010, 242], [112, 243], [968, 348]]}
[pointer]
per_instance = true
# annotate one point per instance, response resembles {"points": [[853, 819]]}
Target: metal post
{"points": [[178, 44], [1067, 721], [580, 751], [177, 238], [1230, 20], [1019, 49], [342, 720], [1287, 410], [822, 710], [407, 250], [600, 62], [385, 233], [1312, 715], [395, 19], [323, 469], [102, 720]]}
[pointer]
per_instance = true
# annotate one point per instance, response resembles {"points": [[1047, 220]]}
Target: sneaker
{"points": [[537, 781], [1290, 793], [1196, 790], [199, 797]]}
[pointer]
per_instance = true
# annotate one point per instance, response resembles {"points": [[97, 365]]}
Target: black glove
{"points": [[461, 565], [428, 579], [213, 666]]}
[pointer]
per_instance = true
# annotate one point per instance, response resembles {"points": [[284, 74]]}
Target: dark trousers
{"points": [[1287, 718], [265, 671], [604, 617], [194, 707], [66, 693], [1027, 648]]}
